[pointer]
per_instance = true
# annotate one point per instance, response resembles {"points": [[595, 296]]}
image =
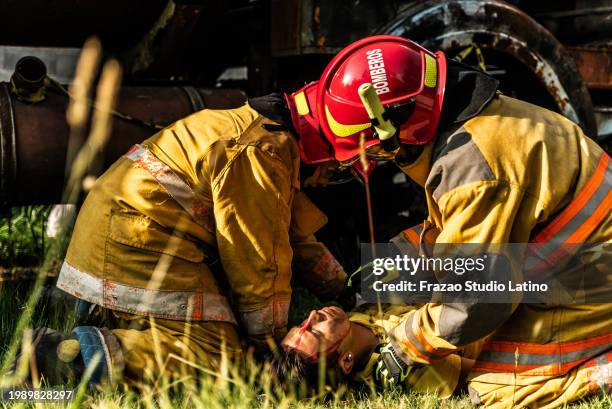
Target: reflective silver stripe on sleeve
{"points": [[327, 268], [175, 186], [168, 304], [600, 375], [556, 356], [265, 320], [418, 228]]}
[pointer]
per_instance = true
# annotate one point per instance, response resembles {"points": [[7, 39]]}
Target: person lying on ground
{"points": [[356, 349]]}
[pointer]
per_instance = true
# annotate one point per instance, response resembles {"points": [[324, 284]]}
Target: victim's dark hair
{"points": [[290, 368]]}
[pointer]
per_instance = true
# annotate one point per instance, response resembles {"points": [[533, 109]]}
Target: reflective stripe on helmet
{"points": [[301, 104], [344, 130], [180, 191], [431, 72], [169, 304]]}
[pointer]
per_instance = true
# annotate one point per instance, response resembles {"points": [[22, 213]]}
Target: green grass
{"points": [[22, 236], [247, 389], [212, 395]]}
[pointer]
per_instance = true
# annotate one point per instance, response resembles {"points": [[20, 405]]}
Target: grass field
{"points": [[23, 244]]}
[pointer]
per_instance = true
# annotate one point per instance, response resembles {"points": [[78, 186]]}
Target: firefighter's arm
{"points": [[482, 212], [252, 198], [313, 264]]}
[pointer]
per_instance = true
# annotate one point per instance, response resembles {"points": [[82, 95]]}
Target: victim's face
{"points": [[321, 332]]}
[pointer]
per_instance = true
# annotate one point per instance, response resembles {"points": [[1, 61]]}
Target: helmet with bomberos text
{"points": [[329, 114]]}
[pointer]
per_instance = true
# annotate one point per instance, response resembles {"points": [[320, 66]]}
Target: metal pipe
{"points": [[28, 80], [34, 137]]}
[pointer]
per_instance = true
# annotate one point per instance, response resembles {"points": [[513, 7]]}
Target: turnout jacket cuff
{"points": [[319, 271], [412, 345], [267, 319]]}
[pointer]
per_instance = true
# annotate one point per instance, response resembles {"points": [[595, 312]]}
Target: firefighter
{"points": [[202, 220], [495, 170]]}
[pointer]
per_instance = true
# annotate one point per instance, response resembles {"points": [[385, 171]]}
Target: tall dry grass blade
{"points": [[156, 345], [185, 351], [77, 113], [79, 394], [22, 365], [87, 159], [363, 157], [365, 165], [322, 373], [223, 365], [200, 368]]}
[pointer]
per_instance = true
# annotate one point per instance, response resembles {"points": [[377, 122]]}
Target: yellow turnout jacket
{"points": [[208, 207], [515, 173]]}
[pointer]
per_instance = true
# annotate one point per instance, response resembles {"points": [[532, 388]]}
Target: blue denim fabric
{"points": [[81, 311], [91, 343]]}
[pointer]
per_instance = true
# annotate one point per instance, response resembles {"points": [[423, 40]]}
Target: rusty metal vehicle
{"points": [[519, 43], [179, 55]]}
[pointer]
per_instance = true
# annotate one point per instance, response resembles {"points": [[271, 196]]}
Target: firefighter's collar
{"points": [[467, 93], [420, 168]]}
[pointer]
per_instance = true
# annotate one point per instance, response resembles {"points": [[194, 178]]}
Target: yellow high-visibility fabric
{"points": [[520, 166], [158, 347], [246, 180], [587, 379]]}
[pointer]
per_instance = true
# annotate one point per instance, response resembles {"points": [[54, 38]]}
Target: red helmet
{"points": [[408, 79]]}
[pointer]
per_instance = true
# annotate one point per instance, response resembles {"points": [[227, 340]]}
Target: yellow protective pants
{"points": [[590, 378], [154, 347]]}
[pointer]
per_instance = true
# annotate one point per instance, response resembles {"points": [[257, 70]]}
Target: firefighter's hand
{"points": [[390, 371], [347, 297], [272, 106]]}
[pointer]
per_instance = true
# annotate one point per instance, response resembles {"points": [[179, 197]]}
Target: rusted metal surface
{"points": [[34, 137], [317, 26], [595, 65], [574, 23], [495, 25], [8, 154], [163, 48]]}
